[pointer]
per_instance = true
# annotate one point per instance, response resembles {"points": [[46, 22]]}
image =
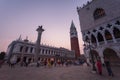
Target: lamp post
{"points": [[92, 56]]}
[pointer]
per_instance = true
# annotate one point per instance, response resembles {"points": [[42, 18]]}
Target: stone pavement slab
{"points": [[55, 73]]}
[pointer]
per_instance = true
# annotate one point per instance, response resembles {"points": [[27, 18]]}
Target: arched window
{"points": [[43, 51], [26, 49], [100, 37], [98, 13], [39, 50], [93, 39], [108, 36], [49, 52], [86, 38], [116, 32], [21, 48], [31, 49]]}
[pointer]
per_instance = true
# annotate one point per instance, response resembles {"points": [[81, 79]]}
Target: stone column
{"points": [[104, 38], [113, 37], [37, 46], [97, 41], [102, 59], [22, 54]]}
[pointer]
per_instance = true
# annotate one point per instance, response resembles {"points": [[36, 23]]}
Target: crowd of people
{"points": [[53, 63], [45, 62]]}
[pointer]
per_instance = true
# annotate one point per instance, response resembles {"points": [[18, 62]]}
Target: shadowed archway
{"points": [[116, 32], [112, 56]]}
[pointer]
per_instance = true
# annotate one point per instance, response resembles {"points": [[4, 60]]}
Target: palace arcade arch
{"points": [[112, 56], [116, 32]]}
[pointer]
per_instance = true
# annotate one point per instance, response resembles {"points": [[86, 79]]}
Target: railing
{"points": [[109, 41], [101, 43], [118, 40]]}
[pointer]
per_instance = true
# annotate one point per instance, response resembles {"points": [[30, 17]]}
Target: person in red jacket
{"points": [[99, 66]]}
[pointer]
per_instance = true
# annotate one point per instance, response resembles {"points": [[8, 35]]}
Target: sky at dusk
{"points": [[22, 17]]}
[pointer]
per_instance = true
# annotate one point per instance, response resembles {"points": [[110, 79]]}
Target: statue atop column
{"points": [[37, 45], [39, 30]]}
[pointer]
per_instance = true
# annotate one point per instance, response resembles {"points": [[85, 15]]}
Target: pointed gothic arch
{"points": [[108, 35], [93, 39], [100, 37], [95, 55], [112, 56], [86, 38], [116, 32]]}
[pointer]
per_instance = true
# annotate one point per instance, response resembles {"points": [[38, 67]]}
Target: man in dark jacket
{"points": [[108, 67]]}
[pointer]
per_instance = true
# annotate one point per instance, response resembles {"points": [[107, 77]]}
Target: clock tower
{"points": [[74, 40]]}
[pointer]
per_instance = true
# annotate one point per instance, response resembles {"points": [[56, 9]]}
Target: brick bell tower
{"points": [[74, 40]]}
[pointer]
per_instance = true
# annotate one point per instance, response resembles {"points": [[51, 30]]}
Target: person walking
{"points": [[13, 61], [108, 67], [99, 66], [49, 63], [45, 63], [55, 63]]}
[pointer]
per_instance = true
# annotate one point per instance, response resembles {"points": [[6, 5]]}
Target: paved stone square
{"points": [[55, 73]]}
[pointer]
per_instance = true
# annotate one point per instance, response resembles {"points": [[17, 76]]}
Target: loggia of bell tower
{"points": [[100, 27]]}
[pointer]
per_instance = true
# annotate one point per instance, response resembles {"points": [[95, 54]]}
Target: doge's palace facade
{"points": [[100, 27]]}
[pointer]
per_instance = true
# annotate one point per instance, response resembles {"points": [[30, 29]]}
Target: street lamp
{"points": [[92, 56]]}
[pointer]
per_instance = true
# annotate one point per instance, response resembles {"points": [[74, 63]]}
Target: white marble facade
{"points": [[27, 49], [100, 27]]}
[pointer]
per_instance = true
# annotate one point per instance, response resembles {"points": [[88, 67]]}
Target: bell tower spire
{"points": [[74, 40], [73, 31]]}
